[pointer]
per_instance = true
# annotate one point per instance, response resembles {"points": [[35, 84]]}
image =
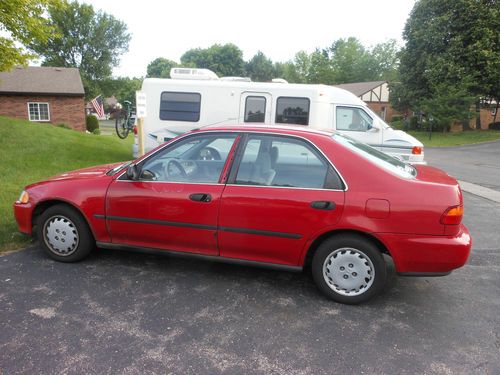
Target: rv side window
{"points": [[255, 109], [180, 106], [292, 111], [353, 119]]}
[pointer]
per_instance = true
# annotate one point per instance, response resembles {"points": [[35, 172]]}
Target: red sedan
{"points": [[280, 197]]}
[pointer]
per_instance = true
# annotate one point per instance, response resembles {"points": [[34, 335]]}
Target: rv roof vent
{"points": [[191, 73], [279, 80], [236, 79]]}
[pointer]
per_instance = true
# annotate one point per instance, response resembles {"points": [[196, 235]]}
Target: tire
{"points": [[64, 234], [349, 269], [121, 126]]}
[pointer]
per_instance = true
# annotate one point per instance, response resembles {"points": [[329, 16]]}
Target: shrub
{"points": [[92, 123], [96, 132], [396, 118], [494, 126]]}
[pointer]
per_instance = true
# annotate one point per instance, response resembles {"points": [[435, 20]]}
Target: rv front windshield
{"points": [[383, 160]]}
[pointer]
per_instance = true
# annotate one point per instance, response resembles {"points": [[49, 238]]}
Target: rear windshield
{"points": [[383, 160]]}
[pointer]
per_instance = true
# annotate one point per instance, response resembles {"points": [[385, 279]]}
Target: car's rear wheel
{"points": [[349, 269], [64, 234]]}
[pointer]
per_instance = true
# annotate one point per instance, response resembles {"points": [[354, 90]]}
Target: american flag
{"points": [[97, 103]]}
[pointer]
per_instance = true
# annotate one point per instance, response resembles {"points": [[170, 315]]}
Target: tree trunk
{"points": [[478, 114]]}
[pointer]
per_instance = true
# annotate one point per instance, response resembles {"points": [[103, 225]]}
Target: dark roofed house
{"points": [[375, 94], [43, 94]]}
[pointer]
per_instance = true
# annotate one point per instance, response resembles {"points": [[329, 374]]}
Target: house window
{"points": [[180, 106], [292, 111], [38, 111]]}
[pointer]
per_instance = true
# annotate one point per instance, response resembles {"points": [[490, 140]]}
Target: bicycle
{"points": [[125, 120]]}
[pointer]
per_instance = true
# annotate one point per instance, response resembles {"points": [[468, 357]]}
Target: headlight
{"points": [[24, 197]]}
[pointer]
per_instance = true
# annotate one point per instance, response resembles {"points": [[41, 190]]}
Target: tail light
{"points": [[135, 130], [453, 215], [416, 150]]}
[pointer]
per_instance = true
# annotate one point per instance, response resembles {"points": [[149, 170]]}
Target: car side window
{"points": [[285, 162], [353, 119], [194, 159]]}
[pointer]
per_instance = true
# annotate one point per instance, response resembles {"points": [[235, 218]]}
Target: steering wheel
{"points": [[209, 153], [171, 166]]}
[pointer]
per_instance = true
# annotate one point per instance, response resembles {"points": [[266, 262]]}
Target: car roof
{"points": [[266, 128]]}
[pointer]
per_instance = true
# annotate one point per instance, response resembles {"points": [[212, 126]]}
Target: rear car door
{"points": [[280, 193], [174, 204]]}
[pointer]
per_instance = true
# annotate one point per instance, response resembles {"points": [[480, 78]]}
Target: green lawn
{"points": [[32, 152], [456, 139]]}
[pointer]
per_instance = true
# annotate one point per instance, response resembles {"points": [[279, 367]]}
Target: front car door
{"points": [[355, 122], [174, 204], [280, 193]]}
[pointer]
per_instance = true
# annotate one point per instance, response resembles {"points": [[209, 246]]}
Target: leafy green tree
{"points": [[85, 39], [260, 68], [224, 60], [160, 68], [450, 104], [22, 21], [451, 42], [122, 88]]}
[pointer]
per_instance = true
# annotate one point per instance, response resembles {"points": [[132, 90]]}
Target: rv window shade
{"points": [[292, 111], [255, 109], [180, 106]]}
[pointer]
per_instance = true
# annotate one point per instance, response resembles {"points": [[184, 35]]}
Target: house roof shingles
{"points": [[42, 81], [360, 88]]}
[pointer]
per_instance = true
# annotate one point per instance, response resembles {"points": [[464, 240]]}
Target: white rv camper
{"points": [[194, 98]]}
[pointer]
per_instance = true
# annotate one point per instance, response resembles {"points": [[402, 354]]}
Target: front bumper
{"points": [[432, 255], [23, 214]]}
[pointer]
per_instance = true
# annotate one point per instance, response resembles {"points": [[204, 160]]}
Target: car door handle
{"points": [[323, 205], [201, 197]]}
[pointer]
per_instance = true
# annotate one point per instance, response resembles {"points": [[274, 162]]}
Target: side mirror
{"points": [[373, 129], [132, 172]]}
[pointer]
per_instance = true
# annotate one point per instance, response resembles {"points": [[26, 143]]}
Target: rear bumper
{"points": [[22, 213], [428, 255]]}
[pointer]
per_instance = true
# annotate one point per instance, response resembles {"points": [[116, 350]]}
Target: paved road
{"points": [[477, 164], [133, 313]]}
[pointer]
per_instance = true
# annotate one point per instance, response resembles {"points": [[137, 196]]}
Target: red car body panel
{"points": [[269, 224]]}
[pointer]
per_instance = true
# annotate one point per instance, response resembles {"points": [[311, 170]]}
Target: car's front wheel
{"points": [[64, 234], [349, 269]]}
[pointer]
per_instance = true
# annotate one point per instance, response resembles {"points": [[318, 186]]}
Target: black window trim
{"points": [[180, 92], [293, 97], [265, 106]]}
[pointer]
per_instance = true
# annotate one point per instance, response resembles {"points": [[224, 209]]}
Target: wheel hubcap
{"points": [[348, 271], [60, 235]]}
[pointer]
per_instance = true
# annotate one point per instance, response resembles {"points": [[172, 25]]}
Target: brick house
{"points": [[375, 94], [43, 94]]}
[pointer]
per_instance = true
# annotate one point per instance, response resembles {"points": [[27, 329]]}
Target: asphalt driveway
{"points": [[132, 313]]}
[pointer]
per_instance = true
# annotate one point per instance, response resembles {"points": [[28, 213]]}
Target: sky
{"points": [[162, 28]]}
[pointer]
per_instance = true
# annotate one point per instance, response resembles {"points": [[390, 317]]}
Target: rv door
{"points": [[255, 107]]}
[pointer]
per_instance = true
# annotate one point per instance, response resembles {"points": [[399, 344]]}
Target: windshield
{"points": [[383, 160], [113, 171]]}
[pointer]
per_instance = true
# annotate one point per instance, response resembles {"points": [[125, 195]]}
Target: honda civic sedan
{"points": [[280, 197]]}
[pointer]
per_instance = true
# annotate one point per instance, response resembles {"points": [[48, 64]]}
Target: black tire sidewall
{"points": [[86, 240], [356, 242]]}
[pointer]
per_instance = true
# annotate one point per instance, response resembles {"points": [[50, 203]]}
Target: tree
{"points": [[224, 60], [85, 39], [122, 88], [260, 68], [160, 68], [451, 42], [22, 21]]}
